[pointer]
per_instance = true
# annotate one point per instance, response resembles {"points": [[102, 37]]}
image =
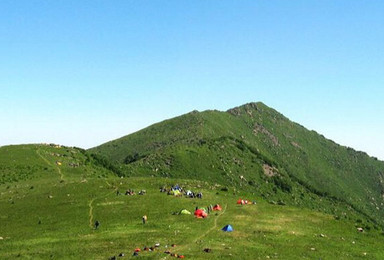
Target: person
{"points": [[144, 219], [97, 224]]}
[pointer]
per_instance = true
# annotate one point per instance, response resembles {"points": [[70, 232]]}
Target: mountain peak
{"points": [[249, 108], [250, 105]]}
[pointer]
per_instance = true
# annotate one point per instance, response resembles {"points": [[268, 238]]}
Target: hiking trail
{"points": [[213, 227], [90, 214], [180, 248], [51, 164]]}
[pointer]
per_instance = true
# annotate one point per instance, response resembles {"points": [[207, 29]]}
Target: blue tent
{"points": [[227, 228]]}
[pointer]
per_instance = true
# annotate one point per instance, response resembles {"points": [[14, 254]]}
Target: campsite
{"points": [[63, 205]]}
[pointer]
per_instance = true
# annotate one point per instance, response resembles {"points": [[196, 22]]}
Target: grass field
{"points": [[51, 196], [54, 220]]}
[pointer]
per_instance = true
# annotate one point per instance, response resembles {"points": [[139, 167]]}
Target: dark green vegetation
{"points": [[311, 193], [278, 159]]}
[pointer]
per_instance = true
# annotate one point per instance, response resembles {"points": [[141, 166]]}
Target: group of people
{"points": [[187, 193], [191, 194], [127, 192], [131, 192]]}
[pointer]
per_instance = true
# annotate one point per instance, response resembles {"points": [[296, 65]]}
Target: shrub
{"points": [[282, 183]]}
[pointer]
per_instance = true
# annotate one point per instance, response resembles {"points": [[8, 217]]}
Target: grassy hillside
{"points": [[255, 148], [51, 196], [47, 162], [55, 221]]}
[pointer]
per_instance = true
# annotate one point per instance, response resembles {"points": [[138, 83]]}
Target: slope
{"points": [[47, 162], [256, 148], [52, 221]]}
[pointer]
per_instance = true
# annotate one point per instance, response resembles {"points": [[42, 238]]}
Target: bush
{"points": [[104, 162], [282, 184], [131, 158]]}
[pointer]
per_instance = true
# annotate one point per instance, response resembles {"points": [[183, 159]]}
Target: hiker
{"points": [[144, 219], [97, 224], [130, 192]]}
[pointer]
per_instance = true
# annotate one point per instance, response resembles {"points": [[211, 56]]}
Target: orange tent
{"points": [[217, 207], [199, 213]]}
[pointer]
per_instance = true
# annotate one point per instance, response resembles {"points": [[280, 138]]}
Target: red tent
{"points": [[217, 207], [199, 213]]}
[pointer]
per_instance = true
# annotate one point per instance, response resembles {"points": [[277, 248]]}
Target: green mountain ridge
{"points": [[254, 147], [311, 195]]}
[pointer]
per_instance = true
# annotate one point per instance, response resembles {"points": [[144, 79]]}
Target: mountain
{"points": [[254, 147], [52, 195]]}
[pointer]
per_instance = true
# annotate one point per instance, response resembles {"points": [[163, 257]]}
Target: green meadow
{"points": [[48, 212]]}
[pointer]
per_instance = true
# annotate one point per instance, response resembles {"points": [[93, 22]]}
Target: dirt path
{"points": [[181, 248], [51, 164], [213, 227], [90, 214]]}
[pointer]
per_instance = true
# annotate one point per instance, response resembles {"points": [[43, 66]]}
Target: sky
{"points": [[80, 73]]}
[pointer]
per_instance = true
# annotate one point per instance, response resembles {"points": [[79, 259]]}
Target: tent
{"points": [[185, 212], [176, 187], [227, 228], [240, 201], [199, 213], [175, 192], [217, 207]]}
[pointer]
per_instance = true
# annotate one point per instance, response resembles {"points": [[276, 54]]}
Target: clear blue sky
{"points": [[84, 72]]}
